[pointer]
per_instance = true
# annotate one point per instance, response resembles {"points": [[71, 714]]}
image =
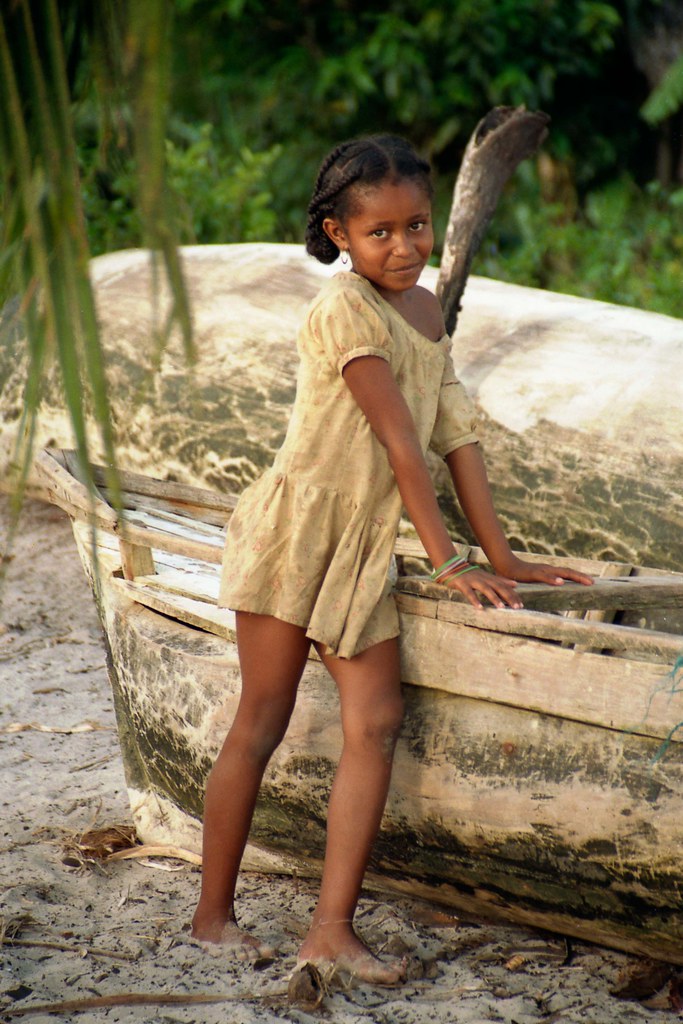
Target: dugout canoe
{"points": [[539, 774], [580, 403]]}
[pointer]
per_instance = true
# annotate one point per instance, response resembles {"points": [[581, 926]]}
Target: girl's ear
{"points": [[335, 232]]}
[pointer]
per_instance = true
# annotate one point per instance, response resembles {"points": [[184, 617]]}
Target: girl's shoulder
{"points": [[429, 313], [349, 291], [346, 314]]}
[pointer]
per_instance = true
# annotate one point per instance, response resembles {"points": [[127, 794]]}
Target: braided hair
{"points": [[366, 161]]}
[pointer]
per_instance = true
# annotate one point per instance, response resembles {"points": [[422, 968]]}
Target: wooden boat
{"points": [[539, 774], [580, 403]]}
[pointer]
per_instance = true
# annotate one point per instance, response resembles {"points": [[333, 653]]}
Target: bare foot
{"points": [[228, 935], [337, 946]]}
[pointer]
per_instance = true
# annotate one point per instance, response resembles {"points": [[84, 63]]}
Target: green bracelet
{"points": [[451, 561]]}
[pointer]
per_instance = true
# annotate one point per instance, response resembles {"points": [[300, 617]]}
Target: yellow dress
{"points": [[311, 540]]}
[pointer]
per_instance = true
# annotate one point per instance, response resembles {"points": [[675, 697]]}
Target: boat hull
{"points": [[580, 402], [524, 815]]}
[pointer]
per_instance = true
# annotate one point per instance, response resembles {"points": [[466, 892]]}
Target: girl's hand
{"points": [[539, 572], [499, 590]]}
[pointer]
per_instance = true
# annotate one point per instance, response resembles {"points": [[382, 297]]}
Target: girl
{"points": [[310, 542]]}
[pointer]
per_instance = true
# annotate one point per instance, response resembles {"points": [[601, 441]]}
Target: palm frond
{"points": [[45, 254]]}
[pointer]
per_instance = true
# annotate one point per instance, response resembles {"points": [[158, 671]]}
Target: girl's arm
{"points": [[374, 388], [468, 473]]}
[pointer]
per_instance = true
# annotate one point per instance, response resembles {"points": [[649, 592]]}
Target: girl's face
{"points": [[389, 234]]}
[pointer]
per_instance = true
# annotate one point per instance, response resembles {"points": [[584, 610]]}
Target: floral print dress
{"points": [[311, 540]]}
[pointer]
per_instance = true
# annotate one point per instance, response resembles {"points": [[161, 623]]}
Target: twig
{"points": [[67, 730], [90, 764], [176, 852], [66, 948], [133, 999]]}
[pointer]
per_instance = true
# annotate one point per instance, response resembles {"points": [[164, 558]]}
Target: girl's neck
{"points": [[400, 300]]}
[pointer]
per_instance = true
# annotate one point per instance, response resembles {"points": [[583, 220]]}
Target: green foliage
{"points": [[667, 98], [307, 75], [220, 197], [625, 245], [213, 195]]}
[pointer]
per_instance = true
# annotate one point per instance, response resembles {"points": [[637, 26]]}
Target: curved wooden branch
{"points": [[501, 140]]}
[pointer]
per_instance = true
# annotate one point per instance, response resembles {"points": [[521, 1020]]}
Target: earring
{"points": [[345, 256]]}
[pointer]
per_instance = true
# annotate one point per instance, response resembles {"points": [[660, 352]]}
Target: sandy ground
{"points": [[81, 933]]}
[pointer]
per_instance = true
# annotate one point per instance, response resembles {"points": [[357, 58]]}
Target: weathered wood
{"points": [[195, 511], [651, 644], [533, 780], [409, 547], [613, 693], [458, 660], [523, 354], [63, 489], [631, 592], [197, 586], [610, 569], [171, 491], [180, 545], [175, 522], [501, 140], [200, 614], [136, 560], [526, 815]]}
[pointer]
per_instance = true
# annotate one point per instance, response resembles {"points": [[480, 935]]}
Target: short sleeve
{"points": [[344, 325], [456, 417]]}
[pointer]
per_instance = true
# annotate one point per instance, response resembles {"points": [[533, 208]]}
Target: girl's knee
{"points": [[380, 724], [256, 735]]}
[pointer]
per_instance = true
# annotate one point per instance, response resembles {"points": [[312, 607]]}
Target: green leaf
{"points": [[667, 97]]}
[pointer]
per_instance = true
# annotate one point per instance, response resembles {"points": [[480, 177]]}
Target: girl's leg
{"points": [[371, 710], [272, 657]]}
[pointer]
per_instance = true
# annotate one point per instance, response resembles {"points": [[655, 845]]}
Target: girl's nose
{"points": [[402, 245]]}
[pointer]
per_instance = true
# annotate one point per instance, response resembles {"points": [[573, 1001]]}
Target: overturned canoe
{"points": [[581, 402], [539, 774]]}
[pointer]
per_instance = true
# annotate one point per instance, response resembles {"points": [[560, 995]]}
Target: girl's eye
{"points": [[418, 225], [379, 233]]}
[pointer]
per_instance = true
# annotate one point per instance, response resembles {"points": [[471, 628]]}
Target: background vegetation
{"points": [[262, 88]]}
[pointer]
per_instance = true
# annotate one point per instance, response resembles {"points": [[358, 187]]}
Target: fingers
{"points": [[557, 575], [496, 589], [576, 577]]}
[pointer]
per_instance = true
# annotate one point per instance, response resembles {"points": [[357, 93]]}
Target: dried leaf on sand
{"points": [[97, 844]]}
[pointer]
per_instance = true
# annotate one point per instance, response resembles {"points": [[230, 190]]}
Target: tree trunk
{"points": [[656, 39], [501, 140]]}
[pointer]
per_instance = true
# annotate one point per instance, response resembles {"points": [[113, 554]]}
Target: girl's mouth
{"points": [[406, 270]]}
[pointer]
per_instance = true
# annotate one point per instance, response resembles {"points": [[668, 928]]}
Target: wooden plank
{"points": [[614, 693], [170, 490], [546, 626], [71, 495], [197, 513], [416, 605], [136, 560], [632, 592], [601, 614], [175, 522], [410, 547], [180, 545], [220, 621], [179, 526], [196, 586]]}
